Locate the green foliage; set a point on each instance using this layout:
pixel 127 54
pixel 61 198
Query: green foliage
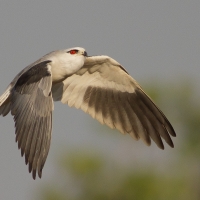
pixel 94 180
pixel 81 164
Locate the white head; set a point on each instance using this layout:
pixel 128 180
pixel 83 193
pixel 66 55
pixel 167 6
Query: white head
pixel 66 62
pixel 75 58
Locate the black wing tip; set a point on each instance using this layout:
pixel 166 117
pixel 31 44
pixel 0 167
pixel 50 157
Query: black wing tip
pixel 30 168
pixel 161 145
pixel 170 143
pixel 40 174
pixel 34 173
pixel 167 125
pixel 162 148
pixel 172 133
pixel 169 128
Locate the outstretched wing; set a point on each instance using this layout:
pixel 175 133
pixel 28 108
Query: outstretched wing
pixel 103 89
pixel 32 105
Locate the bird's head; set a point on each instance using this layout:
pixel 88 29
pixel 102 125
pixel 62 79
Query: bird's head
pixel 77 51
pixel 68 61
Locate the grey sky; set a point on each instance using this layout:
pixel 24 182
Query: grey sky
pixel 151 39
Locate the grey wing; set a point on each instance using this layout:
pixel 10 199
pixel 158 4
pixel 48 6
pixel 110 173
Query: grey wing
pixel 103 89
pixel 32 105
pixel 5 97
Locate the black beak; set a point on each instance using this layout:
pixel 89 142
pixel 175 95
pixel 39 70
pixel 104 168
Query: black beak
pixel 85 54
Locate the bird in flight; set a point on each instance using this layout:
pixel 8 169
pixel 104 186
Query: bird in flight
pixel 98 85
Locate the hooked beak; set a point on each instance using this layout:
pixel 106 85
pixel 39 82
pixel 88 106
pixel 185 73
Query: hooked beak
pixel 85 54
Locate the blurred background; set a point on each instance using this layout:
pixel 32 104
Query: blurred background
pixel 158 43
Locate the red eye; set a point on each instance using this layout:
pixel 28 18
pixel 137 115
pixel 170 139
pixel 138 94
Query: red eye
pixel 73 51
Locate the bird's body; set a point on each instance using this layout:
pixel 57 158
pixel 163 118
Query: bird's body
pixel 98 85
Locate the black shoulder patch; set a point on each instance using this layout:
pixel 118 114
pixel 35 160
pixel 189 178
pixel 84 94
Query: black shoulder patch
pixel 34 74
